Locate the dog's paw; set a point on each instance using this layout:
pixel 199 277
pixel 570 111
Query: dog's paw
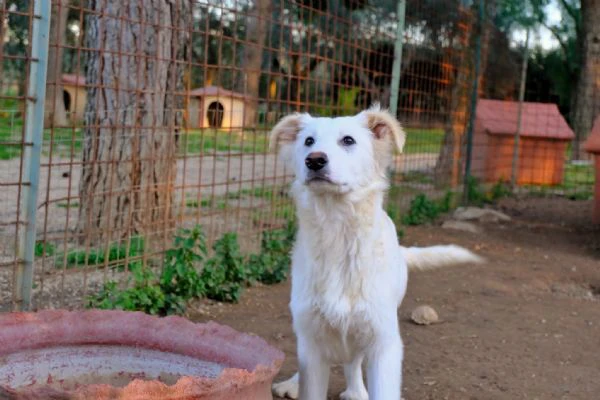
pixel 287 389
pixel 354 395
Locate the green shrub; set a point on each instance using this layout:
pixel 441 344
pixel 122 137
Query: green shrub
pixel 422 210
pixel 188 273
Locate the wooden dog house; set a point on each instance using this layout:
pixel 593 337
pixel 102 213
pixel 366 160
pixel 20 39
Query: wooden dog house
pixel 542 142
pixel 74 96
pixel 592 145
pixel 215 107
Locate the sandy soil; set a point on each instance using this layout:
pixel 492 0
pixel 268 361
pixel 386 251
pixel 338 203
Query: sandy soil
pixel 523 326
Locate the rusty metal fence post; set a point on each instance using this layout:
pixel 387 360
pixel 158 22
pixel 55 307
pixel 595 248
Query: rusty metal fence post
pixel 34 132
pixel 474 99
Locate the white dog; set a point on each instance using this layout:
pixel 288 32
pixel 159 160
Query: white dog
pixel 349 274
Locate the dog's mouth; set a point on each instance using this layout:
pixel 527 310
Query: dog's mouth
pixel 319 179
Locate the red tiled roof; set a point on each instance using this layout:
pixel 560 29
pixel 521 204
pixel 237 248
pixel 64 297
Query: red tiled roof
pixel 499 117
pixel 592 144
pixel 73 79
pixel 217 91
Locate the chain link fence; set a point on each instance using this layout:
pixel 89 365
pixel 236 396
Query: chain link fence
pixel 156 118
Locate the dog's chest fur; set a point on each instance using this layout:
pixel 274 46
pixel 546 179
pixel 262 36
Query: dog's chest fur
pixel 339 256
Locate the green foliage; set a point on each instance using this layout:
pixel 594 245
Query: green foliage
pixel 585 195
pixel 145 295
pixel 421 140
pixel 343 106
pixel 475 194
pixel 180 280
pixel 422 210
pixel 189 273
pixel 499 191
pixel 97 256
pixel 225 273
pixel 272 263
pixel 44 249
pixel 68 205
pixel 478 196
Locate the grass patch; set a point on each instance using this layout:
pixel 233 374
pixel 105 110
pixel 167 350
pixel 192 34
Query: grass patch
pixel 221 201
pixel 417 177
pixel 68 205
pixel 578 183
pixel 204 203
pixel 208 141
pixel 192 141
pixel 115 255
pixel 44 249
pixel 578 177
pixel 423 140
pixel 11 132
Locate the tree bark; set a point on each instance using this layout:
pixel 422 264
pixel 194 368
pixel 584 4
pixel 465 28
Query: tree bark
pixel 587 95
pixel 133 115
pixel 257 25
pixel 55 113
pixel 448 167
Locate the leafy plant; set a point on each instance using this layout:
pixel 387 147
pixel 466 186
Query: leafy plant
pixel 180 280
pixel 478 196
pixel 97 256
pixel 44 249
pixel 447 202
pixel 500 190
pixel 475 194
pixel 271 265
pixel 421 211
pixel 146 295
pixel 222 276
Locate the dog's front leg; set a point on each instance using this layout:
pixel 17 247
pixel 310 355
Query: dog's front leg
pixel 314 371
pixel 355 387
pixel 384 368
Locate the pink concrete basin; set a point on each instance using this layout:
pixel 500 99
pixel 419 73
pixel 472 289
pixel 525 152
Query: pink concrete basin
pixel 124 355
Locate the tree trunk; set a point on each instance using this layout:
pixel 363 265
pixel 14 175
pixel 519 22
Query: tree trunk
pixel 587 95
pixel 257 25
pixel 133 114
pixel 448 167
pixel 55 113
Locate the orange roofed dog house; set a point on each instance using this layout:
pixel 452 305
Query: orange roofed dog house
pixel 543 142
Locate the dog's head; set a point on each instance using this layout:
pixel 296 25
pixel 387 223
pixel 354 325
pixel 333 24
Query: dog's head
pixel 341 154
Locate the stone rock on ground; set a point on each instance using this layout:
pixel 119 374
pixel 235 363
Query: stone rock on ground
pixel 424 315
pixel 480 214
pixel 461 226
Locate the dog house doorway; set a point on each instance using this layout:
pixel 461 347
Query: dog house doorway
pixel 67 101
pixel 214 113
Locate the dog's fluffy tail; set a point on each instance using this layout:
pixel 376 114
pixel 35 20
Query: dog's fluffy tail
pixel 424 258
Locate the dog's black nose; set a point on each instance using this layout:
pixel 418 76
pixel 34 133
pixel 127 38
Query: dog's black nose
pixel 315 161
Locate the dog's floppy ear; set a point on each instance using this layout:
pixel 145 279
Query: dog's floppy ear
pixel 385 126
pixel 285 132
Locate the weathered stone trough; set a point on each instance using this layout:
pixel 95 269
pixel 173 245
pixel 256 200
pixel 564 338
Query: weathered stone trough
pixel 124 355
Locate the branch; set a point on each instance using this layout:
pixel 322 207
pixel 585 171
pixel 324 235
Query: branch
pixel 571 10
pixel 556 34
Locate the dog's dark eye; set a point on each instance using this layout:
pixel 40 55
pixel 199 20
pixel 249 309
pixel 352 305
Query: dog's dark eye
pixel 348 140
pixel 309 141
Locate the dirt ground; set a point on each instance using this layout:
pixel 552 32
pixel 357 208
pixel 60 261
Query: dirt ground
pixel 523 326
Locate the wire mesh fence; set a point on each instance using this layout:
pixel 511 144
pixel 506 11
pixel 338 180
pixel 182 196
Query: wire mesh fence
pixel 157 118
